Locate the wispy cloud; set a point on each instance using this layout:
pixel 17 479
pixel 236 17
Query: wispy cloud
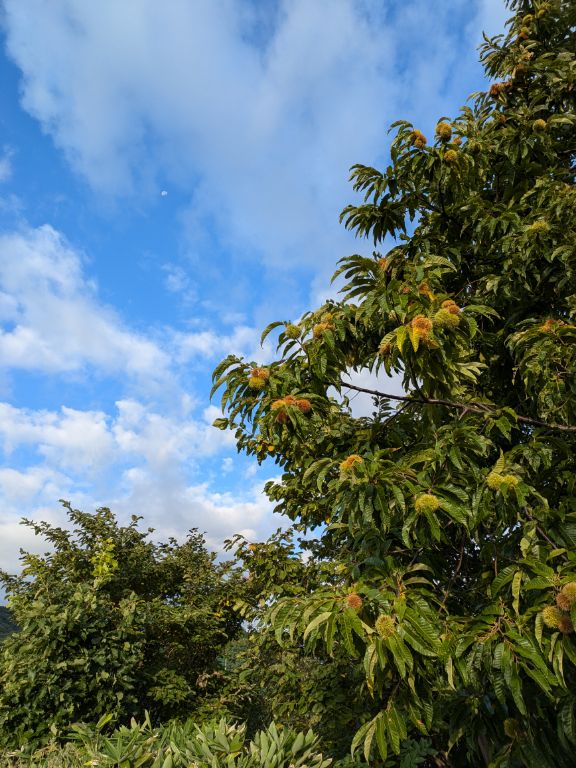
pixel 51 319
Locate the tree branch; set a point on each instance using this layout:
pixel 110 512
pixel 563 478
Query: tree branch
pixel 454 576
pixel 472 407
pixel 540 530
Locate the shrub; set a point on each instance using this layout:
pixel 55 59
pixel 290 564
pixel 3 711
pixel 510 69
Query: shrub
pixel 111 622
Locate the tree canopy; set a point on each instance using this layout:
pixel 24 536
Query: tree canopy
pixel 449 514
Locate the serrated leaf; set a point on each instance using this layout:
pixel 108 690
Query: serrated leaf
pixel 269 328
pixel 381 740
pixel 316 622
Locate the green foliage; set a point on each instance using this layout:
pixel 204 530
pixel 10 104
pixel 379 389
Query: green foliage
pixel 266 681
pixel 111 623
pixel 176 745
pixel 451 511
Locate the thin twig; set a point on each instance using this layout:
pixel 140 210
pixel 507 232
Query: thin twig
pixel 473 407
pixel 453 577
pixel 540 531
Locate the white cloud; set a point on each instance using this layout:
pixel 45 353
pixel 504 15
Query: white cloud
pixel 250 470
pixel 173 507
pixel 52 319
pixel 23 486
pixel 209 345
pixel 362 403
pixel 137 458
pixel 92 440
pixel 161 440
pixel 256 113
pixel 135 461
pixel 177 280
pixel 13 537
pixel 69 438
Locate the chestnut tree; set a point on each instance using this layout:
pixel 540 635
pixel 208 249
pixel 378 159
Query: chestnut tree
pixel 450 513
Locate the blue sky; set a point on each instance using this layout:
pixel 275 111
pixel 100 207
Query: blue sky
pixel 171 176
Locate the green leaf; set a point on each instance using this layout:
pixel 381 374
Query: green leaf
pixel 381 740
pixel 516 582
pixel 269 328
pixel 317 622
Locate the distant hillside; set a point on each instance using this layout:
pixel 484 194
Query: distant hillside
pixel 6 624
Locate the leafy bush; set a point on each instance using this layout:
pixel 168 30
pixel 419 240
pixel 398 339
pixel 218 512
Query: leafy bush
pixel 111 623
